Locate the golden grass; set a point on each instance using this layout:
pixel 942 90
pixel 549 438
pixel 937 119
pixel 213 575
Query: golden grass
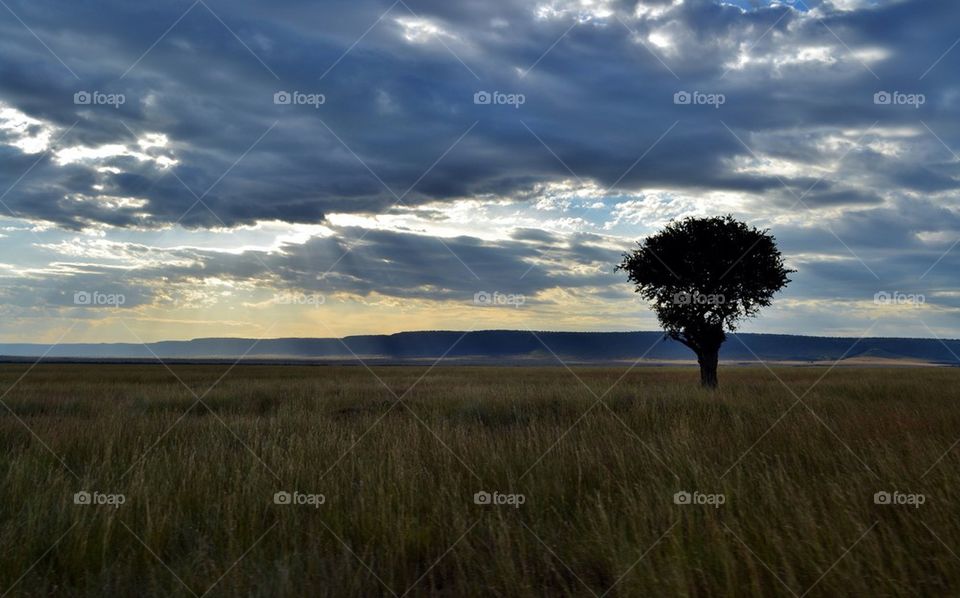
pixel 399 482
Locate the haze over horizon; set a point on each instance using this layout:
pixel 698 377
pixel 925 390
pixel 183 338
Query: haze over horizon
pixel 231 170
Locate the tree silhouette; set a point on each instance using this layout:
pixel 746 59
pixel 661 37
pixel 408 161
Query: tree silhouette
pixel 702 277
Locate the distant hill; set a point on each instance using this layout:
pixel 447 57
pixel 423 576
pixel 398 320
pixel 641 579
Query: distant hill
pixel 504 346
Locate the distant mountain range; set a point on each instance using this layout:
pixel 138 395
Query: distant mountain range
pixel 498 346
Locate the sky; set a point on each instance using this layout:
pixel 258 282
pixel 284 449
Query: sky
pixel 184 169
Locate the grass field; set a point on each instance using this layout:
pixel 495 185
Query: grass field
pixel 597 482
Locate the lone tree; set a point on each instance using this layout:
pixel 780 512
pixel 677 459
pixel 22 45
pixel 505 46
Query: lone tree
pixel 702 276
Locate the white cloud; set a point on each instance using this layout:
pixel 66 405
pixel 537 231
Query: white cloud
pixel 27 134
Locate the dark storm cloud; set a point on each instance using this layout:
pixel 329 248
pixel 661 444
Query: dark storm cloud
pixel 598 98
pixel 410 265
pixel 874 186
pixel 356 261
pixel 536 235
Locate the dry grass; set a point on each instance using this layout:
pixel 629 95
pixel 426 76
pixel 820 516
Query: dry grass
pixel 399 482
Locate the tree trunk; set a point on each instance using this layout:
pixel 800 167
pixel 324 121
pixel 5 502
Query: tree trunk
pixel 708 367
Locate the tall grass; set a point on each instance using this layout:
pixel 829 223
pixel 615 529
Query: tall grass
pixel 598 479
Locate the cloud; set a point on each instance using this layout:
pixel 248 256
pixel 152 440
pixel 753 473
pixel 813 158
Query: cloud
pixel 600 145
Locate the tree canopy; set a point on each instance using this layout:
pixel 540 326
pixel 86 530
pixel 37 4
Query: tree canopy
pixel 703 276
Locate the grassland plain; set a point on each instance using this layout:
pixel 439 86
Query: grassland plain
pixel 598 477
